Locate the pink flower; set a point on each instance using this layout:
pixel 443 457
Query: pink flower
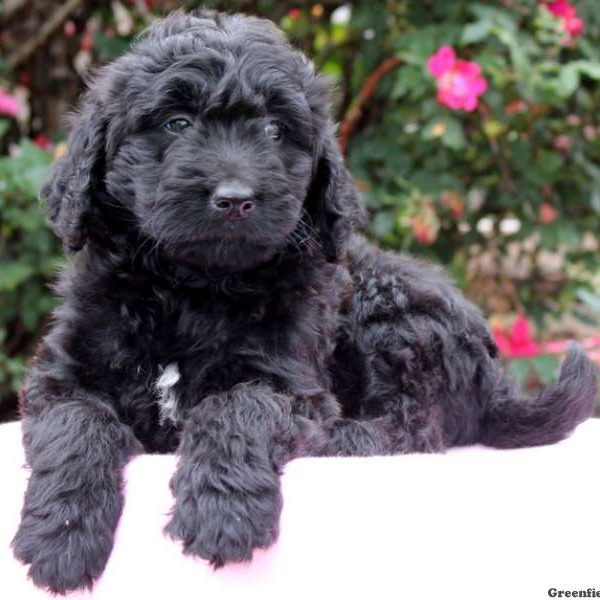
pixel 9 105
pixel 547 213
pixel 516 343
pixel 574 26
pixel 442 61
pixel 563 143
pixel 561 8
pixel 459 82
pixel 567 13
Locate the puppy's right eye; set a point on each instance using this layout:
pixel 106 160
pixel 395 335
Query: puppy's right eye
pixel 177 125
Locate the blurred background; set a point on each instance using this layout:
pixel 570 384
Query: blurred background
pixel 472 129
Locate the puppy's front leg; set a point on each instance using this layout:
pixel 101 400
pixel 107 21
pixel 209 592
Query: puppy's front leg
pixel 227 491
pixel 76 450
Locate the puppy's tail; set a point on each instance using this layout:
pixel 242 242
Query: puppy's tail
pixel 512 422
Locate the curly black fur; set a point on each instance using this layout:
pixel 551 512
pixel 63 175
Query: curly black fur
pixel 239 340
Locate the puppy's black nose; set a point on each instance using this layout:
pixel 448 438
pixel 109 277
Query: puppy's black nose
pixel 233 200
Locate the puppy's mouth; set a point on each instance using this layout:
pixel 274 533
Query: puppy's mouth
pixel 227 252
pixel 229 232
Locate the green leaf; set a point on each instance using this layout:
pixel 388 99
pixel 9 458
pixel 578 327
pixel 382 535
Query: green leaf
pixel 504 19
pixel 546 367
pixel 448 130
pixel 410 81
pixel 454 136
pixel 549 164
pixel 383 223
pixel 519 369
pixel 568 81
pixel 560 232
pixel 13 274
pixel 589 298
pixel 111 47
pixel 589 68
pixel 475 32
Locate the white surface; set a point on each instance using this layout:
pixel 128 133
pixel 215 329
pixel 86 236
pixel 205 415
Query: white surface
pixel 474 523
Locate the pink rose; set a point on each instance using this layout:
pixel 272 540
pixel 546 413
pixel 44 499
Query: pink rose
pixel 442 61
pixel 517 342
pixel 459 82
pixel 547 213
pixel 9 105
pixel 561 8
pixel 574 26
pixel 563 143
pixel 567 13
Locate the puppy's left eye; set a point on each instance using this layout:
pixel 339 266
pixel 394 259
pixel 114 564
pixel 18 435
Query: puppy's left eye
pixel 177 125
pixel 274 129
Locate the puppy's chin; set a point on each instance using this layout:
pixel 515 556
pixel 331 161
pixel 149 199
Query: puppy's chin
pixel 219 255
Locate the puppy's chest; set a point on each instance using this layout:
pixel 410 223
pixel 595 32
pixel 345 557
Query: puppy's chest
pixel 185 350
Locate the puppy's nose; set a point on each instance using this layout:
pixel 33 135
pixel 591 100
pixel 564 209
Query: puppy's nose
pixel 233 200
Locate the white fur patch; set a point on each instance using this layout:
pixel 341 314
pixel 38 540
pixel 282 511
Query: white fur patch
pixel 167 398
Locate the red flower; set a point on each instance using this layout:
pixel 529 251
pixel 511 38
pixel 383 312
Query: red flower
pixel 567 13
pixel 42 141
pixel 515 107
pixel 87 42
pixel 425 225
pixel 453 202
pixel 460 82
pixel 517 342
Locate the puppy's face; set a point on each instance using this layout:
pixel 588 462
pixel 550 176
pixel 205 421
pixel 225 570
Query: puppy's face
pixel 217 169
pixel 216 142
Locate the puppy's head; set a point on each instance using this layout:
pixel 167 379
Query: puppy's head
pixel 212 139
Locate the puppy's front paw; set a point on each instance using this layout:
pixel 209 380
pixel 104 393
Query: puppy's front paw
pixel 224 527
pixel 64 554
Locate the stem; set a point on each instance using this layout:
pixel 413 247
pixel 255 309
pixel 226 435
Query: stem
pixel 354 113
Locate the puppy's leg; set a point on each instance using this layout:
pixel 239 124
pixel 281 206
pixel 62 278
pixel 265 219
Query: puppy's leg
pixel 405 402
pixel 379 436
pixel 351 437
pixel 73 500
pixel 405 406
pixel 227 491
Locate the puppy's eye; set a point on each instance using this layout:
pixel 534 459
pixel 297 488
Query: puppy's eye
pixel 177 125
pixel 274 129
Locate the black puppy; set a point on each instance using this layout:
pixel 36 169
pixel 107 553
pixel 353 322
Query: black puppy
pixel 219 305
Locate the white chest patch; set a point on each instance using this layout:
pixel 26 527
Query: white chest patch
pixel 167 398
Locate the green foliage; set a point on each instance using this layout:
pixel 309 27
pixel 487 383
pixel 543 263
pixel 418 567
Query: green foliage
pixel 545 367
pixel 28 258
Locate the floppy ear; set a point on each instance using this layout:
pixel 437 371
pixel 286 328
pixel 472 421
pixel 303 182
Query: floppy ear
pixel 333 201
pixel 68 193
